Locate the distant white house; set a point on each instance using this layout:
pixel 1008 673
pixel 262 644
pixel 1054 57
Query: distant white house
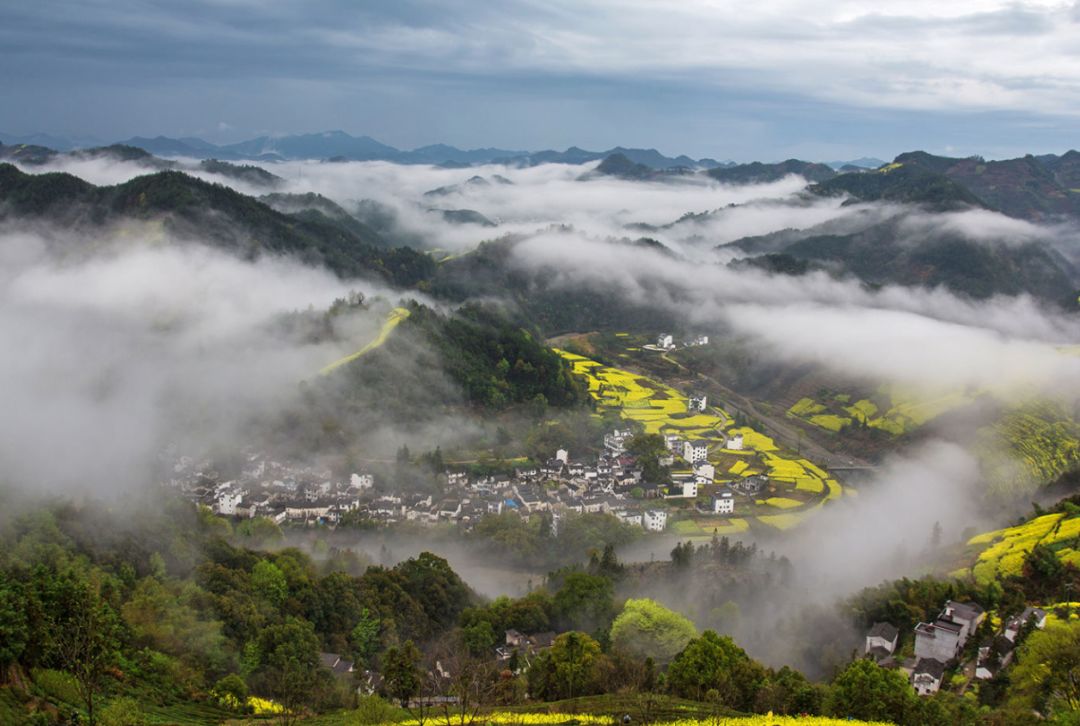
pixel 699 340
pixel 698 402
pixel 881 641
pixel 563 455
pixel 695 451
pixel 228 501
pixel 704 473
pixel 672 442
pixel 362 481
pixel 724 503
pixel 655 520
pixel 684 486
pixel 665 341
pixel 1012 627
pixel 735 443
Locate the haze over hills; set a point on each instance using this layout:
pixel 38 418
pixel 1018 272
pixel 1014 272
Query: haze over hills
pixel 857 342
pixel 339 145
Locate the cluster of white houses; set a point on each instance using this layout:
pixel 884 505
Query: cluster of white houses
pixel 610 483
pixel 666 341
pixel 941 643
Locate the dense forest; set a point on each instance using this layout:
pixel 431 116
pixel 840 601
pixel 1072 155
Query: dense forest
pixel 152 610
pixel 217 215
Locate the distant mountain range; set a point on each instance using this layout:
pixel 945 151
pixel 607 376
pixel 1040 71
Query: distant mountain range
pixel 340 146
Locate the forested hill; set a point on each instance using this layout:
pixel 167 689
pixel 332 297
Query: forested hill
pixel 1029 187
pixel 214 214
pixel 473 358
pixel 881 252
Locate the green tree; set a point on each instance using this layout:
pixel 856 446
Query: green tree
pixel 714 662
pixel 269 582
pixel 288 665
pixel 584 602
pixel 869 692
pixel 86 634
pixel 647 628
pixel 365 637
pixel 14 628
pixel 1047 673
pixel 231 691
pixel 401 672
pixel 574 659
pixel 124 711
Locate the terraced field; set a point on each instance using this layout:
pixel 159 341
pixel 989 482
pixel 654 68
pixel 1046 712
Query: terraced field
pixel 1026 448
pixel 892 410
pixel 1001 553
pixel 797 486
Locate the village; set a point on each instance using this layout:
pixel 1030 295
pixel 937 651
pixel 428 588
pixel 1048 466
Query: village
pixel 611 482
pixel 943 645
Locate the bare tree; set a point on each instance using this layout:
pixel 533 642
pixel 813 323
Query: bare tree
pixel 85 640
pixel 465 684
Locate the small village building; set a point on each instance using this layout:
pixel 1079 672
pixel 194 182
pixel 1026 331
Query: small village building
pixel 655 520
pixel 1015 624
pixel 993 656
pixel 881 641
pixel 724 503
pixel 695 451
pixel 735 443
pixel 366 481
pixel 698 402
pixel 665 341
pixel 927 676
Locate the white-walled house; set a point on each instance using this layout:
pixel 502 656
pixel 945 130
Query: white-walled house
pixel 698 402
pixel 1015 623
pixel 672 442
pixel 695 451
pixel 724 503
pixel 735 443
pixel 704 473
pixel 362 481
pixel 927 676
pixel 228 501
pixel 665 341
pixel 881 641
pixel 655 520
pixel 563 455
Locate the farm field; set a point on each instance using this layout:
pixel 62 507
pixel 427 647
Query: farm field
pixel 795 488
pixel 890 409
pixel 1028 447
pixel 1001 552
pixel 392 321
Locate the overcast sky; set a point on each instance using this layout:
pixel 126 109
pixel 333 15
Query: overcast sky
pixel 766 79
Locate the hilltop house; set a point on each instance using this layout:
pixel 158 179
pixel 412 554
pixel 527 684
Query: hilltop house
pixel 665 341
pixel 993 656
pixel 881 641
pixel 735 443
pixel 1014 624
pixel 336 664
pixel 698 402
pixel 945 637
